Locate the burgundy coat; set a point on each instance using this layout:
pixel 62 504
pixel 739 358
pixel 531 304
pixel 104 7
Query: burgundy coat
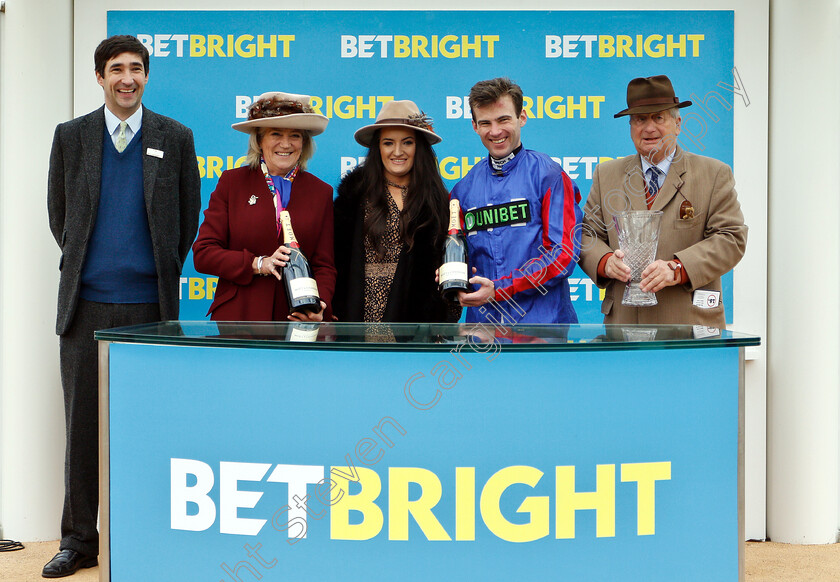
pixel 235 231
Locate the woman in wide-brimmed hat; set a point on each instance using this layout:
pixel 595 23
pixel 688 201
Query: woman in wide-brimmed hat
pixel 391 215
pixel 240 240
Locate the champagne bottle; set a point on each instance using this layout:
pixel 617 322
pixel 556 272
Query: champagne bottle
pixel 453 275
pixel 301 288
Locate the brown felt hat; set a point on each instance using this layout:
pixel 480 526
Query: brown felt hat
pixel 399 114
pixel 650 94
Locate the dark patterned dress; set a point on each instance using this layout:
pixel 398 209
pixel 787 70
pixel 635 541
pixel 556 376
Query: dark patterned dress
pixel 379 272
pixel 398 288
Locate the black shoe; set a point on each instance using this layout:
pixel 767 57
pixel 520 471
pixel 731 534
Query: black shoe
pixel 67 562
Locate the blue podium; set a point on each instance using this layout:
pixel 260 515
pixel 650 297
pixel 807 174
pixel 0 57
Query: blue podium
pixel 279 451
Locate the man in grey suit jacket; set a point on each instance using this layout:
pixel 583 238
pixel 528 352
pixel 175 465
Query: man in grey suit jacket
pixel 702 235
pixel 124 197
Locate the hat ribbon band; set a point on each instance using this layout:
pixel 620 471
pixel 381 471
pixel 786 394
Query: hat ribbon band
pixel 418 123
pixel 402 120
pixel 654 101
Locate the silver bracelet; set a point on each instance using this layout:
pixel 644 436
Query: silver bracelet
pixel 259 264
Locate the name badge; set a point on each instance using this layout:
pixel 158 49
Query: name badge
pixel 516 212
pixel 154 153
pixel 706 299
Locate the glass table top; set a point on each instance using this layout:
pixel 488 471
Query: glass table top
pixel 426 337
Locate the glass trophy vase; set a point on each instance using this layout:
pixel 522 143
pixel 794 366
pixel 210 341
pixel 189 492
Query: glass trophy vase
pixel 638 237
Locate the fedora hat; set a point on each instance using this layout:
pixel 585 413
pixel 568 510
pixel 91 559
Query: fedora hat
pixel 399 114
pixel 650 94
pixel 283 110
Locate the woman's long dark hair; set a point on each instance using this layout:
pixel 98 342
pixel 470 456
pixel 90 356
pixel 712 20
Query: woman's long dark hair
pixel 426 199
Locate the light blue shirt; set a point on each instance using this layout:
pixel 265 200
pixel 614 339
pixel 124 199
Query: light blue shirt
pixel 662 166
pixel 112 122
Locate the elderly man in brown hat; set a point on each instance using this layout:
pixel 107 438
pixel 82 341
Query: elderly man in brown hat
pixel 702 236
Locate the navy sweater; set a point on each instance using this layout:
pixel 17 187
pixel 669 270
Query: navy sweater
pixel 120 263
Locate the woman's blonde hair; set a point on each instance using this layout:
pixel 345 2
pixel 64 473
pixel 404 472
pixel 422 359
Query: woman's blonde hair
pixel 252 158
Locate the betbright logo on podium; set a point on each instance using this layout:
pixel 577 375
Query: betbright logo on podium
pixel 349 492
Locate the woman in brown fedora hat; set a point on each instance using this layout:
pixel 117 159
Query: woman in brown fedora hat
pixel 240 239
pixel 390 222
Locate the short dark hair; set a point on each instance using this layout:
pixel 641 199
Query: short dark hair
pixel 117 45
pixel 488 92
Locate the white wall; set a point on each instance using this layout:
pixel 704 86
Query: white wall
pixel 804 203
pixel 20 504
pixel 35 80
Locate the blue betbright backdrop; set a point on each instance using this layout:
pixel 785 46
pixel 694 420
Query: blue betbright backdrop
pixel 572 66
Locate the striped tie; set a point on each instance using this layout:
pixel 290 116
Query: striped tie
pixel 653 182
pixel 121 143
pixel 653 185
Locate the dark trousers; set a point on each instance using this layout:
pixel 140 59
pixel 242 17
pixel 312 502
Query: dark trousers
pixel 80 380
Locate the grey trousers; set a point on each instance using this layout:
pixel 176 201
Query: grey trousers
pixel 80 380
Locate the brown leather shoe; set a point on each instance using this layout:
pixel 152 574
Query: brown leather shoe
pixel 67 562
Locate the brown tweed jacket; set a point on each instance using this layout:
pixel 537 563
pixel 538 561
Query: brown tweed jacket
pixel 708 245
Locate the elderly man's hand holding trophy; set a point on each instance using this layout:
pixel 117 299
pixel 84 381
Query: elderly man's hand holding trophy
pixel 638 237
